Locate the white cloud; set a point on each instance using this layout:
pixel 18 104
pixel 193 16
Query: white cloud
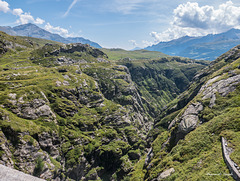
pixel 207 17
pixel 25 18
pixel 57 30
pixel 70 7
pixel 39 21
pixel 17 12
pixel 133 42
pixel 194 20
pixel 4 6
pixel 147 43
pixel 126 6
pixel 175 32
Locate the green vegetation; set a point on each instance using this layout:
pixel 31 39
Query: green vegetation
pixel 88 114
pixel 161 80
pixel 120 54
pixel 199 155
pixel 39 166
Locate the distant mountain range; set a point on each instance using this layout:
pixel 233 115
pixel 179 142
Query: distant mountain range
pixel 33 30
pixel 205 47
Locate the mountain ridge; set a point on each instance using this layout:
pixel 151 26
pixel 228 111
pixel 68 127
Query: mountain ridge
pixel 207 47
pixel 33 30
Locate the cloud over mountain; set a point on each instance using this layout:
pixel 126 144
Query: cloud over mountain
pixel 194 20
pixel 26 17
pixel 57 30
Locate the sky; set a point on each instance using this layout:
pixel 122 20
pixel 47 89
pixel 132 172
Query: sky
pixel 124 23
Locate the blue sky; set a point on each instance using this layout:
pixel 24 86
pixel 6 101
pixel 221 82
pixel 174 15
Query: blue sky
pixel 124 23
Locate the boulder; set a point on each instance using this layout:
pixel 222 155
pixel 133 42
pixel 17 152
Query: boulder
pixel 189 119
pixel 166 174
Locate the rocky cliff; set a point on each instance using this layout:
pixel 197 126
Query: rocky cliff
pixel 67 112
pixel 187 135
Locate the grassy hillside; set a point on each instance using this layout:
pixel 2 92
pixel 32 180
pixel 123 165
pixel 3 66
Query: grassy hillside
pixel 69 112
pixel 60 118
pixel 39 41
pixel 117 54
pixel 187 134
pixel 160 80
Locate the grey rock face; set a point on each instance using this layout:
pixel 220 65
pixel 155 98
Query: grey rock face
pixel 9 174
pixel 187 122
pixel 149 157
pixel 33 110
pixel 50 143
pixel 28 152
pixel 68 61
pixel 6 157
pixel 6 45
pixel 102 60
pixel 223 87
pixel 190 118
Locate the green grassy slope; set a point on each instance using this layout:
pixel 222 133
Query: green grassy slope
pixel 197 155
pixel 117 54
pixel 160 80
pixel 88 123
pixel 69 112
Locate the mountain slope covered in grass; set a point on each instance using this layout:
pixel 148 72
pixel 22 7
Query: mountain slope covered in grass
pixel 186 138
pixel 68 112
pixel 163 79
pixel 119 54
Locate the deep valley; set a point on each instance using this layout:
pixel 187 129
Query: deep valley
pixel 75 112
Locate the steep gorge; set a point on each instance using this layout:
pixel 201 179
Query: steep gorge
pixel 69 113
pixel 187 135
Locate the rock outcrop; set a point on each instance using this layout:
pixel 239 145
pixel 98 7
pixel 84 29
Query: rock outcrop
pixel 69 113
pixel 34 109
pixel 78 47
pixel 234 169
pixel 223 87
pixel 165 174
pixel 187 122
pixel 8 174
pixel 196 121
